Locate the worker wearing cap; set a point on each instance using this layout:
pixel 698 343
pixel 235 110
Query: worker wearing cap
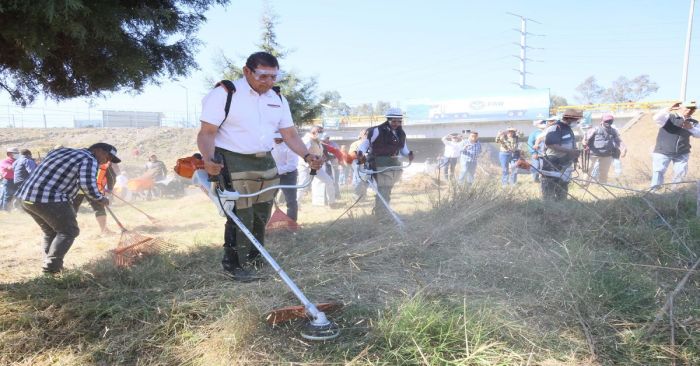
pixel 673 141
pixel 243 138
pixel 509 152
pixel 381 149
pixel 559 157
pixel 50 188
pixel 106 178
pixel 23 166
pixel 8 178
pixel 604 144
pixel 540 124
pixel 313 141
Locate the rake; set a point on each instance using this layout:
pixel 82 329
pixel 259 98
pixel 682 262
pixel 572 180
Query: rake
pixel 152 219
pixel 134 246
pixel 280 221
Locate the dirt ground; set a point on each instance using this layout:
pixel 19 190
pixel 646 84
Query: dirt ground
pixel 191 219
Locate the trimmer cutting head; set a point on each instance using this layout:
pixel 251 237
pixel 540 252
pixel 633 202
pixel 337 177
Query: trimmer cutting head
pixel 314 331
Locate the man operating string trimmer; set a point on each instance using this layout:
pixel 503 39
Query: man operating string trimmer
pixel 238 123
pixel 381 149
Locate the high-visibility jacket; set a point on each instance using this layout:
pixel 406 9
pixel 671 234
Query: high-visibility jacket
pixel 103 177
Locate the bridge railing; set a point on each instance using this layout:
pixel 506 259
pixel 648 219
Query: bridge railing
pixel 351 121
pixel 616 107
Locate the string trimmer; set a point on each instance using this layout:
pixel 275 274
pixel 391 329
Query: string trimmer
pixel 319 328
pixel 372 183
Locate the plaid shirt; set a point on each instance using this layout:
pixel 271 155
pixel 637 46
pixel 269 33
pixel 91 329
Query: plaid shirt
pixel 472 150
pixel 60 175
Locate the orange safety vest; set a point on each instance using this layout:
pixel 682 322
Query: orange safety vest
pixel 102 177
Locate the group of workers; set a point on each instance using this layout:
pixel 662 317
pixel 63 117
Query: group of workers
pixel 248 136
pixel 14 170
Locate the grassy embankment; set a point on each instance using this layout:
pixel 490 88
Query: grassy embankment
pixel 486 276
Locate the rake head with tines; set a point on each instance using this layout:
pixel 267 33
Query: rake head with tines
pixel 134 246
pixel 280 221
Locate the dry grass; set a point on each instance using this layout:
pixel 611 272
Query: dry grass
pixel 480 277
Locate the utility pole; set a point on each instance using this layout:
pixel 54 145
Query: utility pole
pixel 523 49
pixel 684 77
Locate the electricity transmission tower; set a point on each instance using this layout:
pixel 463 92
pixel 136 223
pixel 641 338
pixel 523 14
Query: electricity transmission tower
pixel 523 49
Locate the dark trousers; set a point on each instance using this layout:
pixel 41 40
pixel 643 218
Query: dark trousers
pixel 254 218
pixel 290 194
pixel 96 206
pixel 247 173
pixel 450 166
pixel 57 221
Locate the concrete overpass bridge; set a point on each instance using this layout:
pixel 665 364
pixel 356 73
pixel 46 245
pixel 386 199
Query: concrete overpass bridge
pixel 487 129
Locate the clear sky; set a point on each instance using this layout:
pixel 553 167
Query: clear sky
pixel 396 50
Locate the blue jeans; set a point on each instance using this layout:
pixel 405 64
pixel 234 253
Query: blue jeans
pixel 660 163
pixel 468 170
pixel 7 194
pixel 507 176
pixel 534 170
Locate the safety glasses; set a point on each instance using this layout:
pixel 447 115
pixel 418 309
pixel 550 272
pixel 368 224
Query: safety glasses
pixel 267 75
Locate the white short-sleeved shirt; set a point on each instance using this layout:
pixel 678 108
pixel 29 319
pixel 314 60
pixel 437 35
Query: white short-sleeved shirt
pixel 453 148
pixel 285 158
pixel 252 119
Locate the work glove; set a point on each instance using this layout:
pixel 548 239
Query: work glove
pixel 361 158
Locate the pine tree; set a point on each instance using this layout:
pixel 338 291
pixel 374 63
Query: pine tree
pixel 79 48
pixel 299 92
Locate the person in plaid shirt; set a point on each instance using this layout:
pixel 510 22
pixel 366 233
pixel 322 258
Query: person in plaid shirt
pixel 469 158
pixel 47 194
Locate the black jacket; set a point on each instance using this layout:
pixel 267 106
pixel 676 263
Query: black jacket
pixel 673 139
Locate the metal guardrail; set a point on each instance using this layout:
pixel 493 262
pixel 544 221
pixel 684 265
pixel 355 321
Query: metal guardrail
pixel 349 121
pixel 616 107
pixel 371 120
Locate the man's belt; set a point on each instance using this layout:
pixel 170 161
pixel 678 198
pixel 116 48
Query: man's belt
pixel 253 155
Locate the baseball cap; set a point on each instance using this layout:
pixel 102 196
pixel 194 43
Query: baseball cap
pixel 539 122
pixel 690 104
pixel 276 135
pixel 607 117
pixel 551 118
pixel 13 150
pixel 108 148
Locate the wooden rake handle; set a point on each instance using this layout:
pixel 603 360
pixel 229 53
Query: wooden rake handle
pixel 115 218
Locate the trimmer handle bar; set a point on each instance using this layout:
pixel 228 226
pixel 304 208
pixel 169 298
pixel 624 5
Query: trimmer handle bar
pixel 385 169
